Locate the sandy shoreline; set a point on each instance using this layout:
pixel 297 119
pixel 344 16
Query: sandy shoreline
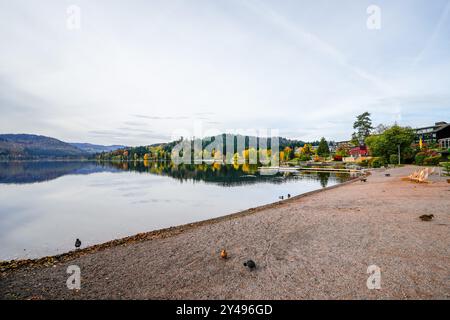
pixel 312 246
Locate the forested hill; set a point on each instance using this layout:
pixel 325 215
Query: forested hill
pixel 163 150
pixel 30 146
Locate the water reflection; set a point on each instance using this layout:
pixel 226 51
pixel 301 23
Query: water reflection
pixel 225 175
pixel 38 171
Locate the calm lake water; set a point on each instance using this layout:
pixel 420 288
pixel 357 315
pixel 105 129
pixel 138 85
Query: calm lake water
pixel 45 206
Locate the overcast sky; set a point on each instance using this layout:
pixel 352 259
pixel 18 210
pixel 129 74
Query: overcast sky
pixel 136 71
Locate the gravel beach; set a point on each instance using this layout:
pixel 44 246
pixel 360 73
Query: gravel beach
pixel 314 247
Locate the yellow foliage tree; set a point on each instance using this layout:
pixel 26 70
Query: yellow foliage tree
pixel 287 153
pixel 307 149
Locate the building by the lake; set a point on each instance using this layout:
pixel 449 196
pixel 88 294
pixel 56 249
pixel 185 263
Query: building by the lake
pixel 438 133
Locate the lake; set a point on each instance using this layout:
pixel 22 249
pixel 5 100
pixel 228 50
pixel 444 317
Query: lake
pixel 45 206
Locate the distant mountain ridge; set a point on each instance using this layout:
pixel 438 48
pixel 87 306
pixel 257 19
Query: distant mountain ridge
pixel 31 146
pixel 95 148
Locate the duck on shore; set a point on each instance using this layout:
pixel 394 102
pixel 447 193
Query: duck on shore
pixel 224 254
pixel 77 243
pixel 426 217
pixel 250 264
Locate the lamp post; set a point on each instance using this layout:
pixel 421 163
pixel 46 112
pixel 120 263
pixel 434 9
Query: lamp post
pixel 398 154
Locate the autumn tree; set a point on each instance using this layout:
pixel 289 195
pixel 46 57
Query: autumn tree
pixel 307 150
pixel 288 153
pixel 343 150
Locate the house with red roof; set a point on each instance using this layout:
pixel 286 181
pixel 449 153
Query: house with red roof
pixel 361 151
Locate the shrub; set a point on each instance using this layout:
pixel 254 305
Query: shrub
pixel 432 161
pixel 337 157
pixel 363 163
pixel 446 166
pixel 304 157
pixel 420 157
pixel 393 159
pixel 376 162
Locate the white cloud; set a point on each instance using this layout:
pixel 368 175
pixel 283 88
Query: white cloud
pixel 136 71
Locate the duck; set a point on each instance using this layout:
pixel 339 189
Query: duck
pixel 289 195
pixel 224 254
pixel 387 174
pixel 426 217
pixel 77 243
pixel 281 197
pixel 250 264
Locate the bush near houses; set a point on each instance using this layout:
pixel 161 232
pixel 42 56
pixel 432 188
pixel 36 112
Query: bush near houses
pixel 304 157
pixel 427 157
pixel 363 162
pixel 446 166
pixel 393 159
pixel 376 162
pixel 432 161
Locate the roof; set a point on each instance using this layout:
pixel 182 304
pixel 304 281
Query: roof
pixel 443 127
pixel 438 126
pixel 360 150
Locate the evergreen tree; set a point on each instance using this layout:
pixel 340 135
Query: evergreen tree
pixel 363 125
pixel 323 149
